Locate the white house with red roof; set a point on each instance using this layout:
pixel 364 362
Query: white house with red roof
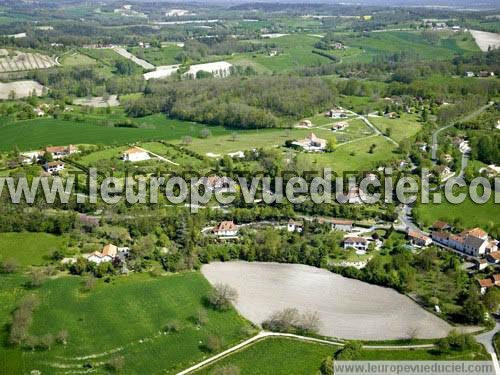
pixel 135 154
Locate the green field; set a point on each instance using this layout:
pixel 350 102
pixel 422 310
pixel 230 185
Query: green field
pixel 446 46
pixel 354 156
pixel 32 134
pixel 275 356
pixel 296 52
pixel 158 56
pixel 247 140
pixel 126 317
pixel 405 127
pixel 29 249
pixel 468 213
pixel 77 59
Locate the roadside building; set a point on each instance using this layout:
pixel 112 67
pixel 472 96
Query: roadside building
pixel 295 226
pixel 53 167
pixel 342 225
pixel 312 143
pixel 419 239
pixel 59 152
pixel 226 229
pixel 358 243
pixel 135 154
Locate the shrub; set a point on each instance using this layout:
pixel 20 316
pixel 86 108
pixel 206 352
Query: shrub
pixel 351 350
pixel 9 266
pixel 173 326
pixel 116 363
pixel 213 344
pixel 290 320
pixel 222 296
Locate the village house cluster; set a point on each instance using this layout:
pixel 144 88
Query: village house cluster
pixel 57 153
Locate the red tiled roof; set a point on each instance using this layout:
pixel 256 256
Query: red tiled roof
pixel 355 239
pixel 342 222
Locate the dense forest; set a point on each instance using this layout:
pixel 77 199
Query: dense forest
pixel 258 103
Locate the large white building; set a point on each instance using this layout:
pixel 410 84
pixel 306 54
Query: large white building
pixel 135 154
pixel 312 143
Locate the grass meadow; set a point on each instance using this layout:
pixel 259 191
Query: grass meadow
pixel 29 249
pixel 405 127
pixel 468 214
pixel 126 317
pixel 276 356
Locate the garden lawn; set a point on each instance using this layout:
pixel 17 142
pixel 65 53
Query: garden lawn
pixel 127 316
pixel 29 249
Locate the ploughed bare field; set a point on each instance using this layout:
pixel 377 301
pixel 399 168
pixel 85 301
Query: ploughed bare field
pixel 20 89
pixel 348 308
pixel 98 101
pixel 486 40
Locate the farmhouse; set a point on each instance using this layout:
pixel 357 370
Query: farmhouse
pixel 312 143
pixel 339 126
pixel 419 239
pixel 336 113
pixel 441 225
pixel 295 226
pixel 226 229
pixel 59 152
pixel 108 254
pixel 219 69
pixel 342 225
pixel 53 167
pixel 358 243
pixel 135 154
pixel 494 257
pixel 469 74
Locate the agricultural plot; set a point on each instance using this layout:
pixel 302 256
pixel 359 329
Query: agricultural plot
pixel 29 249
pixel 32 134
pixel 98 101
pixel 25 61
pixel 486 40
pixel 142 63
pixel 296 52
pixel 414 43
pixel 77 59
pixel 121 318
pixel 20 89
pixel 158 56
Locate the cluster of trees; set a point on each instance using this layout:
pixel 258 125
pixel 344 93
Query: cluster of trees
pixel 406 272
pixel 290 320
pixel 198 49
pixel 257 103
